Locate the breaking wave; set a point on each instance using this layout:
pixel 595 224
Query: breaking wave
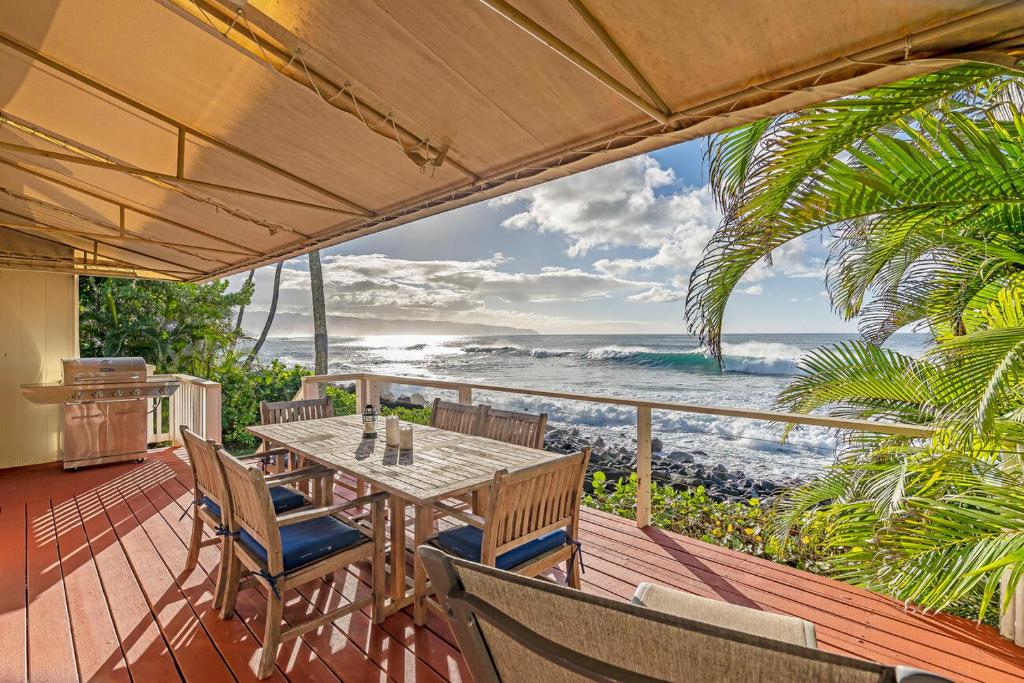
pixel 760 358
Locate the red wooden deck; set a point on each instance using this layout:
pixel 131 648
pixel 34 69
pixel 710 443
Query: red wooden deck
pixel 91 589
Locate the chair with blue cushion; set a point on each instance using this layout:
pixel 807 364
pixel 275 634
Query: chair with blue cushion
pixel 209 496
pixel 531 523
pixel 282 551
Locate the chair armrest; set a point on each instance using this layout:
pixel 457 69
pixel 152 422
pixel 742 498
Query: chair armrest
pixel 311 472
pixel 268 453
pixel 364 500
pixel 306 514
pixel 461 515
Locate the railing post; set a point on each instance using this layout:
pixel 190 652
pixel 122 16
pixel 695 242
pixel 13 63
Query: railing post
pixel 172 414
pixel 367 392
pixel 1011 622
pixel 465 395
pixel 310 388
pixel 211 416
pixel 643 466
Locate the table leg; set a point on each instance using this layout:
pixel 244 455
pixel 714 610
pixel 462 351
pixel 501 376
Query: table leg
pixel 397 548
pixel 424 529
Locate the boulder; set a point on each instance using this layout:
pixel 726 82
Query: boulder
pixel 681 456
pixel 418 400
pixel 387 397
pixel 657 445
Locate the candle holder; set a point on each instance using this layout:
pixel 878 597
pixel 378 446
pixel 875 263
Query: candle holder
pixel 369 422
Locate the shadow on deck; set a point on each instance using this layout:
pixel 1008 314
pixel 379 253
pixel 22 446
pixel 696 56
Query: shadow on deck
pixel 91 588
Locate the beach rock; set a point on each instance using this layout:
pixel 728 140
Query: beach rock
pixel 657 445
pixel 418 400
pixel 681 456
pixel 387 397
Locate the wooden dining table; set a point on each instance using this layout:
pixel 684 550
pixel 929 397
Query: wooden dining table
pixel 440 465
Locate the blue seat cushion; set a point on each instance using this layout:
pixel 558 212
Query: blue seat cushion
pixel 465 542
pixel 284 498
pixel 307 542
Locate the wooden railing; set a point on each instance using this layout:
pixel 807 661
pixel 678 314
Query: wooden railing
pixel 368 392
pixel 196 404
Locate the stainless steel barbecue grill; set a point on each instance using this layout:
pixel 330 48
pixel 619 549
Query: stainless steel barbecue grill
pixel 104 402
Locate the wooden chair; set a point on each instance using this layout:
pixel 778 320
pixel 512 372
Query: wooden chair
pixel 532 520
pixel 278 412
pixel 287 550
pixel 211 497
pixel 523 429
pixel 455 417
pixel 512 628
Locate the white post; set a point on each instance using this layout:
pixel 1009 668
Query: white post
pixel 643 466
pixel 212 412
pixel 367 392
pixel 1011 622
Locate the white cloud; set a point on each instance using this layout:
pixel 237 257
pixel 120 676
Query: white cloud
pixel 619 205
pixel 378 286
pixel 752 290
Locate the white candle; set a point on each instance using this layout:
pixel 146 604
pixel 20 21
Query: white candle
pixel 405 437
pixel 391 425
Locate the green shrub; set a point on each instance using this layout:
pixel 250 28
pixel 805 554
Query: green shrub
pixel 743 526
pixel 242 390
pixel 345 404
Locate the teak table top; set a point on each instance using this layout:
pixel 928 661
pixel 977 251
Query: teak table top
pixel 441 464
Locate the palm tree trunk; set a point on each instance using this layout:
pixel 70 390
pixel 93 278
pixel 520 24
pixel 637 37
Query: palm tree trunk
pixel 270 316
pixel 316 281
pixel 241 309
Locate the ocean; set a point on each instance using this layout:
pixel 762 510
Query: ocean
pixel 659 367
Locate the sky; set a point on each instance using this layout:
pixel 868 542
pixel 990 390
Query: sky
pixel 606 251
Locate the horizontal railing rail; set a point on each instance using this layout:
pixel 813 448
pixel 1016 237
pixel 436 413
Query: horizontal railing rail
pixel 368 392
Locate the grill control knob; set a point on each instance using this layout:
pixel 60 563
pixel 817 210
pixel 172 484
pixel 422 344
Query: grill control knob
pixel 78 395
pixel 117 393
pixel 97 394
pixel 136 392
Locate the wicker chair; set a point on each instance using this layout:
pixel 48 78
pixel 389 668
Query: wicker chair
pixel 284 551
pixel 532 520
pixel 513 628
pixel 210 498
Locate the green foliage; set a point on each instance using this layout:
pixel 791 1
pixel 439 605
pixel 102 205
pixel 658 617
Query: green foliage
pixel 178 327
pixel 742 526
pixel 345 404
pixel 919 184
pixel 188 329
pixel 242 390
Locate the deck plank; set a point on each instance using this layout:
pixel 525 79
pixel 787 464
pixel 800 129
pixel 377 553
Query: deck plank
pixel 13 599
pixel 100 657
pixel 92 588
pixel 146 652
pixel 51 650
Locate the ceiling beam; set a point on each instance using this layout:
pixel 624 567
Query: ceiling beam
pixel 123 236
pixel 506 10
pixel 616 52
pixel 76 268
pixel 99 239
pixel 163 177
pixel 124 207
pixel 273 50
pixel 39 57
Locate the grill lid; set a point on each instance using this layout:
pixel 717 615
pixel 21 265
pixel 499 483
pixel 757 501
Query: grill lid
pixel 103 370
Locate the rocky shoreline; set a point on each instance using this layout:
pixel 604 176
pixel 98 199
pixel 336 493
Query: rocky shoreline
pixel 680 469
pixel 617 459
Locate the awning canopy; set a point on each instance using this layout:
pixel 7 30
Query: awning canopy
pixel 191 139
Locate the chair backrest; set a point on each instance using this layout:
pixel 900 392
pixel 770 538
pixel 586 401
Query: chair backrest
pixel 533 501
pixel 206 470
pixel 522 429
pixel 276 412
pixel 251 507
pixel 455 417
pixel 513 628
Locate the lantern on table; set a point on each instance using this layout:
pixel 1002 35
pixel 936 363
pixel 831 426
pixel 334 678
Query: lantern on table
pixel 369 421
